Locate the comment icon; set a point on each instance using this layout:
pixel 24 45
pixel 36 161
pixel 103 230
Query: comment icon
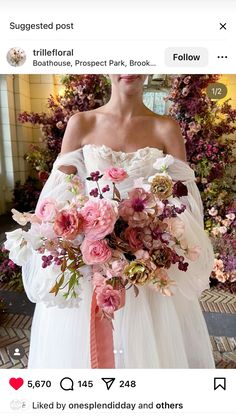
pixel 67 384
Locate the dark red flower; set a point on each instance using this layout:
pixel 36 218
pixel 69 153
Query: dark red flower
pixel 43 176
pixel 179 189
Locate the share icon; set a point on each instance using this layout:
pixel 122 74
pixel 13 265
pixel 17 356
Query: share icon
pixel 108 382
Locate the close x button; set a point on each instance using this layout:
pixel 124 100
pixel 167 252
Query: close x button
pixel 186 57
pixel 223 26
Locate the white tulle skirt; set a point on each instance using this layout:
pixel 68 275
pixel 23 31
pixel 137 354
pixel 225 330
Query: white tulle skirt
pixel 151 331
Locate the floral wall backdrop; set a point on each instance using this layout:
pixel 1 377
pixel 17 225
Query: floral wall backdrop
pixel 208 127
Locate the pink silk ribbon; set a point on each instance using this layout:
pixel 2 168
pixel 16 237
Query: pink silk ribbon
pixel 101 336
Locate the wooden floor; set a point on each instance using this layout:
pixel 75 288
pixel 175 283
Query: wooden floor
pixel 14 328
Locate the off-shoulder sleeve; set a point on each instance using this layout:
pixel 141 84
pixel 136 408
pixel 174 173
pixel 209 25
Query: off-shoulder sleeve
pixel 56 185
pixel 38 281
pixel 196 279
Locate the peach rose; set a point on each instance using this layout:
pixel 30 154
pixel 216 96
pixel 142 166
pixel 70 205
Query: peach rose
pixel 99 218
pixel 94 252
pixel 132 236
pixel 68 224
pixel 46 210
pixel 175 227
pixel 193 253
pixel 115 174
pixel 162 283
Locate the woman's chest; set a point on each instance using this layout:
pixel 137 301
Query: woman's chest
pixel 126 137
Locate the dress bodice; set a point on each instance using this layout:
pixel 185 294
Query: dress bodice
pixel 137 164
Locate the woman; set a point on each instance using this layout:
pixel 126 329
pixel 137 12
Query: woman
pixel 151 331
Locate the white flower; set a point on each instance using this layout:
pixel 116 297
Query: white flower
pixel 14 238
pixel 19 217
pixel 21 255
pixel 161 164
pixel 138 183
pixel 34 238
pixel 213 211
pixel 38 233
pixel 19 249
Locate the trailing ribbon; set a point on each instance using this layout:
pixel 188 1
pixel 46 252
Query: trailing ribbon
pixel 101 335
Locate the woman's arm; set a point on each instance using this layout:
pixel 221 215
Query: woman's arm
pixel 72 138
pixel 170 135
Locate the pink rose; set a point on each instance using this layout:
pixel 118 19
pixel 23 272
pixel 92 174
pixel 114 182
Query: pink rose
pixel 108 299
pixel 115 174
pixel 95 252
pixel 68 224
pixel 46 210
pixel 99 218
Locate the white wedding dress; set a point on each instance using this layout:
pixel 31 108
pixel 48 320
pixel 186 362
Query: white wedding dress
pixel 150 331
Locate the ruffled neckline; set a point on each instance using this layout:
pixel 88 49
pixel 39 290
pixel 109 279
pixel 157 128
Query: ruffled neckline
pixel 130 160
pixel 107 149
pixel 110 150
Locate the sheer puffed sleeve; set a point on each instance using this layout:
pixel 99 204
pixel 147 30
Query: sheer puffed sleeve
pixel 38 281
pixel 196 279
pixel 180 170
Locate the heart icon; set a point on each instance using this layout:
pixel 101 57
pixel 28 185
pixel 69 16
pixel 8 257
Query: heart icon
pixel 16 383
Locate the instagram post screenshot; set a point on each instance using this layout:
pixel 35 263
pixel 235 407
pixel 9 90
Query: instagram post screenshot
pixel 117 209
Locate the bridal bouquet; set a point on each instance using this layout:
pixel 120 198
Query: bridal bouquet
pixel 128 242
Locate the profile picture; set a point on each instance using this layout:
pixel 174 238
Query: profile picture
pixel 16 56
